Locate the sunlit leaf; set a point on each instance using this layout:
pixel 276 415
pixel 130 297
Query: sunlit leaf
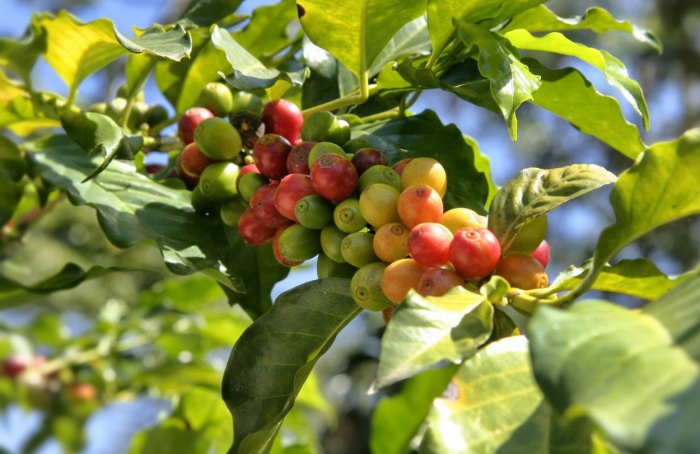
pixel 411 40
pixel 511 82
pixel 267 32
pixel 611 67
pixel 568 94
pixel 174 44
pixel 534 192
pixel 21 55
pixel 271 360
pixel 425 331
pixel 542 19
pixel 356 32
pixel 203 13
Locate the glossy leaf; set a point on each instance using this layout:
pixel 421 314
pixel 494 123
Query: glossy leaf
pixel 203 13
pixel 441 14
pixel 425 331
pixel 76 49
pixel 21 55
pixel 661 187
pixel 132 208
pixel 533 192
pixel 568 94
pixel 542 19
pixel 274 356
pixel 631 374
pixel 174 44
pixel 612 68
pixel 493 405
pixel 412 40
pixel 266 34
pixel 391 434
pixel 356 32
pixel 248 73
pixel 511 82
pixel 425 135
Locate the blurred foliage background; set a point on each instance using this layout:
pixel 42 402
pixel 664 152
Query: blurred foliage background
pixel 175 333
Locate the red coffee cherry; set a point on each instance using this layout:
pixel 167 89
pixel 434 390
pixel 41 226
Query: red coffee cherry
pixel 291 189
pixel 541 254
pixel 263 207
pixel 522 271
pixel 334 177
pixel 270 154
pixel 400 277
pixel 252 231
pixel 283 117
pixel 474 252
pixel 438 281
pixel 189 121
pixel 365 158
pixel 429 244
pixel 191 163
pixel 298 158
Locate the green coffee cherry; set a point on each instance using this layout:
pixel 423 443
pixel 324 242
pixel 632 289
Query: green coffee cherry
pixel 204 204
pixel 245 101
pixel 216 97
pixel 344 132
pixel 347 216
pixel 321 126
pixel 232 210
pixel 331 239
pixel 358 249
pixel 218 139
pixel 156 114
pixel 218 181
pixel 327 267
pixel 322 148
pixel 366 287
pixel 297 243
pixel 357 143
pixel 314 212
pixel 379 174
pixel 251 182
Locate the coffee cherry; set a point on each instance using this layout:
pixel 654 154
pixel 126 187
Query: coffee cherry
pixel 418 204
pixel 399 166
pixel 334 177
pixel 203 203
pixel 249 183
pixel 379 174
pixel 263 207
pixel 232 210
pixel 365 287
pixel 400 277
pixel 248 168
pixel 270 153
pixel 278 254
pixel 322 126
pixel 322 148
pixel 218 139
pixel 522 271
pixel 81 393
pixel 344 134
pixel 331 240
pixel 438 281
pixel 357 249
pixel 353 145
pixel 529 237
pixel 14 365
pixel 218 181
pixel 379 205
pixel 283 117
pixel 314 212
pixel 298 158
pixel 297 243
pixel 252 231
pixel 391 242
pixel 155 114
pixel 347 216
pixel 216 97
pixel 327 267
pixel 365 158
pixel 290 190
pixel 458 218
pixel 190 164
pixel 541 254
pixel 429 244
pixel 244 101
pixel 425 171
pixel 189 121
pixel 474 252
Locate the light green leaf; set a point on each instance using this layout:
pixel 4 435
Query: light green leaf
pixel 266 33
pixel 662 186
pixel 511 82
pixel 426 331
pixel 493 405
pixel 356 32
pixel 203 13
pixel 76 49
pixel 248 73
pixel 21 55
pixel 612 68
pixel 633 374
pixel 274 356
pixel 174 44
pixel 534 192
pixel 412 40
pixel 392 435
pixel 569 95
pixel 23 112
pixel 542 19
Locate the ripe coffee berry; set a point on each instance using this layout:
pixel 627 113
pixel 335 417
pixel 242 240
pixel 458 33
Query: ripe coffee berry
pixel 541 254
pixel 366 287
pixel 298 158
pixel 474 252
pixel 191 163
pixel 189 121
pixel 291 189
pixel 252 231
pixel 365 158
pixel 438 281
pixel 334 177
pixel 263 207
pixel 429 244
pixel 391 242
pixel 400 277
pixel 283 117
pixel 270 154
pixel 522 271
pixel 418 204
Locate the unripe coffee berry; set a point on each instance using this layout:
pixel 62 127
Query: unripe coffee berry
pixel 391 242
pixel 378 205
pixel 218 139
pixel 418 204
pixel 347 216
pixel 400 277
pixel 522 271
pixel 314 212
pixel 365 287
pixel 357 249
pixel 425 171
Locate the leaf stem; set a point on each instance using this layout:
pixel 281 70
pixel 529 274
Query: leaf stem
pixel 348 100
pixel 391 113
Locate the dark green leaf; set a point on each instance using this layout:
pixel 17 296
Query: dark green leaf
pixel 426 331
pixel 266 33
pixel 511 82
pixel 534 192
pixel 174 44
pixel 273 358
pixel 203 13
pixel 425 135
pixel 542 19
pixel 248 73
pixel 21 55
pixel 12 170
pixel 571 96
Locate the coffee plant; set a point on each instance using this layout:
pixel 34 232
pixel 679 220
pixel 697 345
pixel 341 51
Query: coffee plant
pixel 291 142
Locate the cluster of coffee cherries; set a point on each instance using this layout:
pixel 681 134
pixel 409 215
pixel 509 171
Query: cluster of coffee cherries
pixel 303 185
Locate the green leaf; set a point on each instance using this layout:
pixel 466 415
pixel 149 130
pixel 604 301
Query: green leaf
pixel 356 32
pixel 76 49
pixel 640 278
pixel 174 44
pixel 391 434
pixel 534 192
pixel 266 33
pixel 612 68
pixel 203 13
pixel 662 186
pixel 272 359
pixel 21 55
pixel 568 94
pixel 425 135
pixel 542 19
pixel 488 13
pixel 493 405
pixel 248 72
pixel 132 208
pixel 426 331
pixel 412 40
pixel 23 112
pixel 632 374
pixel 511 82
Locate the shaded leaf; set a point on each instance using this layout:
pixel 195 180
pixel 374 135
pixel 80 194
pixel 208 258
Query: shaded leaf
pixel 534 192
pixel 248 73
pixel 493 405
pixel 612 68
pixel 425 331
pixel 274 356
pixel 356 32
pixel 203 13
pixel 511 82
pixel 411 40
pixel 542 19
pixel 21 55
pixel 568 94
pixel 174 44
